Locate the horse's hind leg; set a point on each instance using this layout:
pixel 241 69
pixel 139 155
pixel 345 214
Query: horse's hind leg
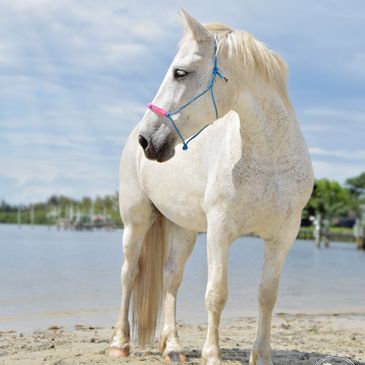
pixel 181 243
pixel 133 236
pixel 275 253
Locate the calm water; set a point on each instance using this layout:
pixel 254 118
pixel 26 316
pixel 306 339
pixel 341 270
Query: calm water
pixel 64 277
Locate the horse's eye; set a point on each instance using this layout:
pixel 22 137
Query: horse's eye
pixel 178 74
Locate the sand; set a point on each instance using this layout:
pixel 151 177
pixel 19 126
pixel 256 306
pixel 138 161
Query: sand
pixel 296 340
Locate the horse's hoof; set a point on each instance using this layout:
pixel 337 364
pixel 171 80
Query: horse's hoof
pixel 162 346
pixel 117 352
pixel 174 356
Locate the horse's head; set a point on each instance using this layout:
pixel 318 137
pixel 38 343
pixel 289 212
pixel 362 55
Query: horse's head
pixel 188 76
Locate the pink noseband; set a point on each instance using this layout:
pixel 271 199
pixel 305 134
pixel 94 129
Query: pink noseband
pixel 157 110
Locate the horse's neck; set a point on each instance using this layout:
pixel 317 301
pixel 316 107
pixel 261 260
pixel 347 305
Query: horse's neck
pixel 269 129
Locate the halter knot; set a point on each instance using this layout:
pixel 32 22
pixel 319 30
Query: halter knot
pixel 219 74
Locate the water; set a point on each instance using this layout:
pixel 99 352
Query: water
pixel 64 277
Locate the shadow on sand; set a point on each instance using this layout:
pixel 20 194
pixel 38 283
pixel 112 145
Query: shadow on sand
pixel 279 357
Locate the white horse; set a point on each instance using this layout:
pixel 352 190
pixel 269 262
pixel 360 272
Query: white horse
pixel 246 173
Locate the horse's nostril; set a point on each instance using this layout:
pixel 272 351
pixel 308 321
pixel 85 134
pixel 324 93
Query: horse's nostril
pixel 143 142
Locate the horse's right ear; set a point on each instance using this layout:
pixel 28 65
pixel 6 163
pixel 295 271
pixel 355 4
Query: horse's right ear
pixel 191 25
pixel 232 116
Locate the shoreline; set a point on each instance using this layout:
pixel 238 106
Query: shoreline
pixel 297 339
pixel 105 317
pixel 305 233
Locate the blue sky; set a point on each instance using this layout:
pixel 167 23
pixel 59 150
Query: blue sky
pixel 75 77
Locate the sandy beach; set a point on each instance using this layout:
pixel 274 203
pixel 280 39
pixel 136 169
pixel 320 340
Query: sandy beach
pixel 296 339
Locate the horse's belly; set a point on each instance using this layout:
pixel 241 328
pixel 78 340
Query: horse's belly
pixel 177 194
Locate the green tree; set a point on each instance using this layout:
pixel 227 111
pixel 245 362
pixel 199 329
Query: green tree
pixel 86 204
pixel 331 200
pixel 53 200
pixel 62 205
pixel 357 184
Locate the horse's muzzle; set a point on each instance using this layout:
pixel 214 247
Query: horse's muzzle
pixel 160 153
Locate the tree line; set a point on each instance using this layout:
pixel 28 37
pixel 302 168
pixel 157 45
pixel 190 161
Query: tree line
pixel 329 198
pixel 60 207
pixel 334 202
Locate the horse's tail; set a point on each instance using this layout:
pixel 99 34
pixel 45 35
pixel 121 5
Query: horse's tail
pixel 148 288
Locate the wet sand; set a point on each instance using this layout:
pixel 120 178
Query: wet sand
pixel 296 340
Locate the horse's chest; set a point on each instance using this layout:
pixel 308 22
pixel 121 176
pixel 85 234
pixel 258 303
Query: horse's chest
pixel 177 194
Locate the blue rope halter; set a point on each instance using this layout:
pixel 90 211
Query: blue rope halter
pixel 166 114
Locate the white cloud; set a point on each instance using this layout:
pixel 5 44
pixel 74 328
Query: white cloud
pixel 345 114
pixel 26 5
pixel 20 140
pixel 147 30
pixel 130 109
pixel 336 170
pixel 315 128
pixel 356 64
pixel 6 56
pixel 357 155
pixel 126 51
pixel 48 171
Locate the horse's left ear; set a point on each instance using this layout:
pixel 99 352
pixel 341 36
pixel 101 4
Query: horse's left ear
pixel 199 32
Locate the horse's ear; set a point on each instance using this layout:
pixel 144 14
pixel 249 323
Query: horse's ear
pixel 232 116
pixel 191 25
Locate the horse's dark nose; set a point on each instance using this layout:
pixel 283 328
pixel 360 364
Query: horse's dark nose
pixel 143 142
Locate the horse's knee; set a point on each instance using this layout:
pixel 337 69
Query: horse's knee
pixel 173 274
pixel 215 300
pixel 130 251
pixel 132 243
pixel 267 294
pixel 128 273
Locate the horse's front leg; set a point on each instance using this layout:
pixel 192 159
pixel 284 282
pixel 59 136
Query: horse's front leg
pixel 181 243
pixel 133 236
pixel 274 256
pixel 218 242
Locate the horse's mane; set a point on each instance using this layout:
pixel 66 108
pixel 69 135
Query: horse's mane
pixel 243 49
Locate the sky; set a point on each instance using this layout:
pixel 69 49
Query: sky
pixel 75 77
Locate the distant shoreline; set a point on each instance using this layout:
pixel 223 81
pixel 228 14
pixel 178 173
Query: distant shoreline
pixel 305 233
